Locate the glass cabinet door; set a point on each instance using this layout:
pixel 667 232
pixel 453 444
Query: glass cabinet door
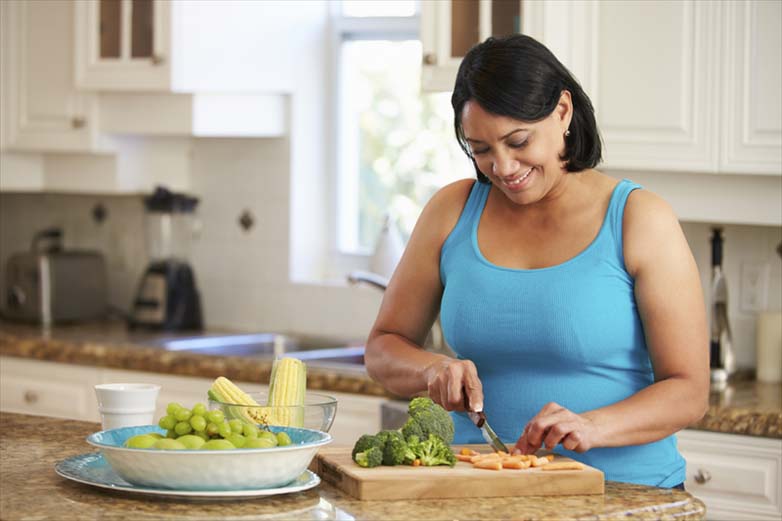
pixel 126 29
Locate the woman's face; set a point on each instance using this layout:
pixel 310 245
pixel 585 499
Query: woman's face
pixel 521 159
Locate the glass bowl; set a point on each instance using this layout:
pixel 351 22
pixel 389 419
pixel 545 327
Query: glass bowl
pixel 317 413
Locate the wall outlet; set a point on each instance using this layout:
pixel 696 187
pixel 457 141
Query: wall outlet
pixel 754 286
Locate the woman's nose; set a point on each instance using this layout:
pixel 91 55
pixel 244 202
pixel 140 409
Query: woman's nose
pixel 505 166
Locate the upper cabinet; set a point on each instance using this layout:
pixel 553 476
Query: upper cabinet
pixel 42 108
pixel 688 86
pixel 450 28
pixel 123 44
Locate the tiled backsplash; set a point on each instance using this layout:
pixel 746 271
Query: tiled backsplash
pixel 243 274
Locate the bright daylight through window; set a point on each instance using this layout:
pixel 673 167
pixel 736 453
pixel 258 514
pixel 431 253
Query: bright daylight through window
pixel 396 145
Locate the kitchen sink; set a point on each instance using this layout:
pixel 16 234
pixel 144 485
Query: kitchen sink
pixel 267 345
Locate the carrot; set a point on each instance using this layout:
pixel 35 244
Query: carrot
pixel 493 464
pixel 468 452
pixel 539 462
pixel 511 463
pixel 463 457
pixel 416 462
pixel 549 457
pixel 481 457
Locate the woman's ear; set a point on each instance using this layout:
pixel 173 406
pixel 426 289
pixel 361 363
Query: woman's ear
pixel 564 110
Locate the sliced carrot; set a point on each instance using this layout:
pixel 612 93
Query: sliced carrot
pixel 511 463
pixel 549 457
pixel 463 457
pixel 416 462
pixel 482 457
pixel 539 462
pixel 468 452
pixel 488 464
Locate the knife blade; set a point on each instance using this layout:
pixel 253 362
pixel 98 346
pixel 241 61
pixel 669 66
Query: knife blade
pixel 479 419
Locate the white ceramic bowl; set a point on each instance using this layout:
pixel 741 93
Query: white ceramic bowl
pixel 239 469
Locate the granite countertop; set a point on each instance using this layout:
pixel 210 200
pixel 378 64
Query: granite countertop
pixel 111 344
pixel 30 446
pixel 746 407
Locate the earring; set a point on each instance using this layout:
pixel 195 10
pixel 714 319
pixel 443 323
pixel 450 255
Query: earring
pixel 567 133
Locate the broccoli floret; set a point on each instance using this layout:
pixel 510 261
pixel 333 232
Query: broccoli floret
pixel 433 451
pixel 396 451
pixel 366 442
pixel 426 417
pixel 372 457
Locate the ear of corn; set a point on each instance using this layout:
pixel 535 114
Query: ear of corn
pixel 285 407
pixel 224 390
pixel 286 392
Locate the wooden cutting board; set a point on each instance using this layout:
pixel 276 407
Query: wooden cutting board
pixel 335 466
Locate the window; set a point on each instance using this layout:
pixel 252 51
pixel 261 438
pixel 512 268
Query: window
pixel 395 145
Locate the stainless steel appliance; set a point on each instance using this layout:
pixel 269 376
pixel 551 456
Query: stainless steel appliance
pixel 722 359
pixel 167 296
pixel 51 285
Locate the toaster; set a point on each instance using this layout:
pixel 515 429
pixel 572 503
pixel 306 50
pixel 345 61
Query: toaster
pixel 55 285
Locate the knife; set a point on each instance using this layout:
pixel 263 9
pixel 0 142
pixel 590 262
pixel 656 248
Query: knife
pixel 479 419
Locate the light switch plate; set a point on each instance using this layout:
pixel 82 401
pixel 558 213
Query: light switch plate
pixel 754 286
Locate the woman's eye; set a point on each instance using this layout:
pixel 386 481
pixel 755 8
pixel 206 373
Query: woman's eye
pixel 521 144
pixel 479 152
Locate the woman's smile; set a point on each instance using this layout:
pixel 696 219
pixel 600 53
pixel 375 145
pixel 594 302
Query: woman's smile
pixel 517 183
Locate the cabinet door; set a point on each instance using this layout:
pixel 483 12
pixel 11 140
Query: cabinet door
pixel 123 44
pixel 737 477
pixel 450 28
pixel 656 87
pixel 752 79
pixel 44 111
pixel 48 389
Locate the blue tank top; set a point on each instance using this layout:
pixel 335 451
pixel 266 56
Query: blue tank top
pixel 568 333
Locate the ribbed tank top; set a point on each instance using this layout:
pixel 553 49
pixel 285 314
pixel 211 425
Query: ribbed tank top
pixel 568 333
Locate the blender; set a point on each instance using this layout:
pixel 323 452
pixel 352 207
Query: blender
pixel 167 297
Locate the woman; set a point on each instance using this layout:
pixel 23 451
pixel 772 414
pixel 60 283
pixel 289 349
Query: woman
pixel 572 300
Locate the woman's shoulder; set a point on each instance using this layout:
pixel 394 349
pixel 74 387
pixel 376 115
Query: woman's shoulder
pixel 443 210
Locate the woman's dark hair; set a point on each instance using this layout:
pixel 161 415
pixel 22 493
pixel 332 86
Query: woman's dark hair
pixel 518 77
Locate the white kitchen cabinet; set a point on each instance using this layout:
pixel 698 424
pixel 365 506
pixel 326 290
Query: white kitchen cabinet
pixel 751 41
pixel 450 27
pixel 48 388
pixel 123 44
pixel 737 477
pixel 42 109
pixel 67 391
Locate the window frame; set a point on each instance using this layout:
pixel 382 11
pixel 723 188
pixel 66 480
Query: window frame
pixel 394 28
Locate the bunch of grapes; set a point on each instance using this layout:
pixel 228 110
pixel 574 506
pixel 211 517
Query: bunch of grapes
pixel 201 429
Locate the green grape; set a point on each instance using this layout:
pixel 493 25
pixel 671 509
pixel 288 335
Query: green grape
pixel 155 435
pixel 250 431
pixel 216 416
pixel 237 440
pixel 212 429
pixel 172 408
pixel 283 439
pixel 191 441
pixel 259 443
pixel 236 425
pixel 183 415
pixel 224 429
pixel 199 409
pixel 140 441
pixel 183 428
pixel 167 422
pixel 171 434
pixel 204 436
pixel 198 423
pixel 168 444
pixel 217 445
pixel 268 436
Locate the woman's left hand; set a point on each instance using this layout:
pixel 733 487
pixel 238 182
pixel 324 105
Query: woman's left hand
pixel 553 425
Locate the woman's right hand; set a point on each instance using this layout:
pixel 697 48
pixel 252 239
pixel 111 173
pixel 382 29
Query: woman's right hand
pixel 447 381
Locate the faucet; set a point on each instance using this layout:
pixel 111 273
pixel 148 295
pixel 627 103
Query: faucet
pixel 435 340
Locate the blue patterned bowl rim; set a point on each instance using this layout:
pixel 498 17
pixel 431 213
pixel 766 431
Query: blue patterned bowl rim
pixel 114 439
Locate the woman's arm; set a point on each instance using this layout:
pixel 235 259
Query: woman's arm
pixel 670 303
pixel 394 356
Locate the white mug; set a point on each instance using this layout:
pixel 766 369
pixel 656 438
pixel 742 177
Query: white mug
pixel 126 404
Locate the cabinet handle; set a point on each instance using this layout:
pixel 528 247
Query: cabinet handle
pixel 430 58
pixel 702 476
pixel 30 397
pixel 78 122
pixel 158 59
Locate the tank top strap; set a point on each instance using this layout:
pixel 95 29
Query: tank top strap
pixel 471 211
pixel 615 214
